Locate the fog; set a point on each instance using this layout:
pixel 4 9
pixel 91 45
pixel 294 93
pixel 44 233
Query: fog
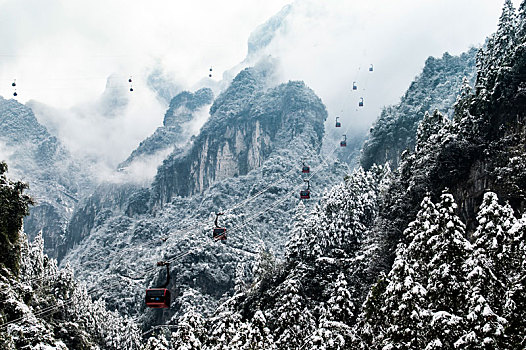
pixel 61 53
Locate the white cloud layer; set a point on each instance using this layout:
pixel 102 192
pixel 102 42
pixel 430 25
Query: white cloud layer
pixel 62 51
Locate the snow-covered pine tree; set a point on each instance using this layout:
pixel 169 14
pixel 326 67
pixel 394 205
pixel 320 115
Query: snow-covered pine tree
pixel 429 129
pixel 295 242
pixel 521 23
pixel 487 272
pixel 498 51
pixel 223 326
pixel 157 342
pixel 254 335
pixel 506 35
pixel 334 331
pixel 493 245
pixel 190 332
pixel 405 303
pixel 515 308
pixel 446 283
pixel 293 320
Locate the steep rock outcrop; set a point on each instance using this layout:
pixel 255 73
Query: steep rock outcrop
pixel 246 125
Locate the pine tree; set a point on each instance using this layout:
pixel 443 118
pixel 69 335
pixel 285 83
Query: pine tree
pixel 295 243
pixel 157 342
pixel 254 335
pixel 429 129
pixel 521 19
pixel 446 281
pixel 190 332
pixel 493 242
pixel 223 326
pixel 370 328
pixel 334 331
pixel 505 37
pixel 294 322
pixel 487 275
pixel 498 52
pixel 515 308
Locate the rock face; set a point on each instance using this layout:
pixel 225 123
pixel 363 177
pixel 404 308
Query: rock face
pixel 246 125
pixel 175 131
pixel 56 180
pixel 437 87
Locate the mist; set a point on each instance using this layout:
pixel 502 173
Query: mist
pixel 61 54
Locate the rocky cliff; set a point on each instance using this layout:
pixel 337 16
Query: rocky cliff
pixel 246 125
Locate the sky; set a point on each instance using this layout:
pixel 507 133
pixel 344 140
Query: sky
pixel 61 52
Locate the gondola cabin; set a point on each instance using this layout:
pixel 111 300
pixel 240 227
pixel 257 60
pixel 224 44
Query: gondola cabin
pixel 371 68
pixel 343 143
pixel 219 233
pixel 304 194
pixel 158 298
pixel 305 169
pixel 354 87
pixel 360 104
pixel 338 124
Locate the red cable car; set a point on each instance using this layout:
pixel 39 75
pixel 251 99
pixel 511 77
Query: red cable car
pixel 305 194
pixel 305 169
pixel 338 124
pixel 160 297
pixel 219 233
pixel 343 143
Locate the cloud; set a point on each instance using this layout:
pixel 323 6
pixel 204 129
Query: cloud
pixel 330 44
pixel 62 51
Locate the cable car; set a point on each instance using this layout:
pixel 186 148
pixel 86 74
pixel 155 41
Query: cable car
pixel 131 89
pixel 305 169
pixel 338 124
pixel 305 194
pixel 360 104
pixel 343 143
pixel 130 80
pixel 15 94
pixel 354 87
pixel 161 297
pixel 371 68
pixel 219 233
pixel 13 83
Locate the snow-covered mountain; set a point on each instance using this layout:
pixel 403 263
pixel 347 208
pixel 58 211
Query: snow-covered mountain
pixel 254 141
pixel 36 157
pixel 425 250
pixel 437 87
